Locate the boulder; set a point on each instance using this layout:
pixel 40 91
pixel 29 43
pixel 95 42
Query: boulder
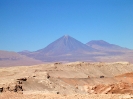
pixel 1 89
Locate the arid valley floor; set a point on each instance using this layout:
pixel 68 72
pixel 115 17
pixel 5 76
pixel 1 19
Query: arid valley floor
pixel 75 80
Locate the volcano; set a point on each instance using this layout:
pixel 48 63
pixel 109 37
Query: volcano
pixel 68 49
pixel 105 46
pixel 65 48
pixel 65 45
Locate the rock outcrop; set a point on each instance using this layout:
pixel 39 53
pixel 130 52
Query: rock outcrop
pixel 116 88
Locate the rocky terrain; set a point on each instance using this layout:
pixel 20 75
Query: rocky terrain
pixel 75 80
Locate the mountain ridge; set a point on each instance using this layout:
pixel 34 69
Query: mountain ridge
pixel 67 48
pixel 63 49
pixel 105 45
pixel 10 58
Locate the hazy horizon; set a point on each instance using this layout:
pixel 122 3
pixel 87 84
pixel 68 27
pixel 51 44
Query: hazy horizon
pixel 31 24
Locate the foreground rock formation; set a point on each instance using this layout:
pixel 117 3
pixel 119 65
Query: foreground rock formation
pixel 81 80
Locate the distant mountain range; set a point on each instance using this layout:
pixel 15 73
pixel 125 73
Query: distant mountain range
pixel 104 46
pixel 15 59
pixel 68 49
pixel 65 48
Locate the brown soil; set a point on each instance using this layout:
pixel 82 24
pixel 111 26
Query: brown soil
pixel 77 80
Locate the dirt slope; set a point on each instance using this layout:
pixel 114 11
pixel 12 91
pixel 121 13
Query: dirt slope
pixel 66 81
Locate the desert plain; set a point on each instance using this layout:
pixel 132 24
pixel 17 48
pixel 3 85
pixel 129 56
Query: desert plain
pixel 75 80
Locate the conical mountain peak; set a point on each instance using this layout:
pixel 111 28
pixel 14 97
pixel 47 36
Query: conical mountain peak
pixel 66 35
pixel 65 45
pixel 67 48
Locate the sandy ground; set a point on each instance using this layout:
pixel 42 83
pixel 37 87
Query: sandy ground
pixel 77 80
pixel 9 95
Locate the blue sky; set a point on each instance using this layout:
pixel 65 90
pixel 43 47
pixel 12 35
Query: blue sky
pixel 33 24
